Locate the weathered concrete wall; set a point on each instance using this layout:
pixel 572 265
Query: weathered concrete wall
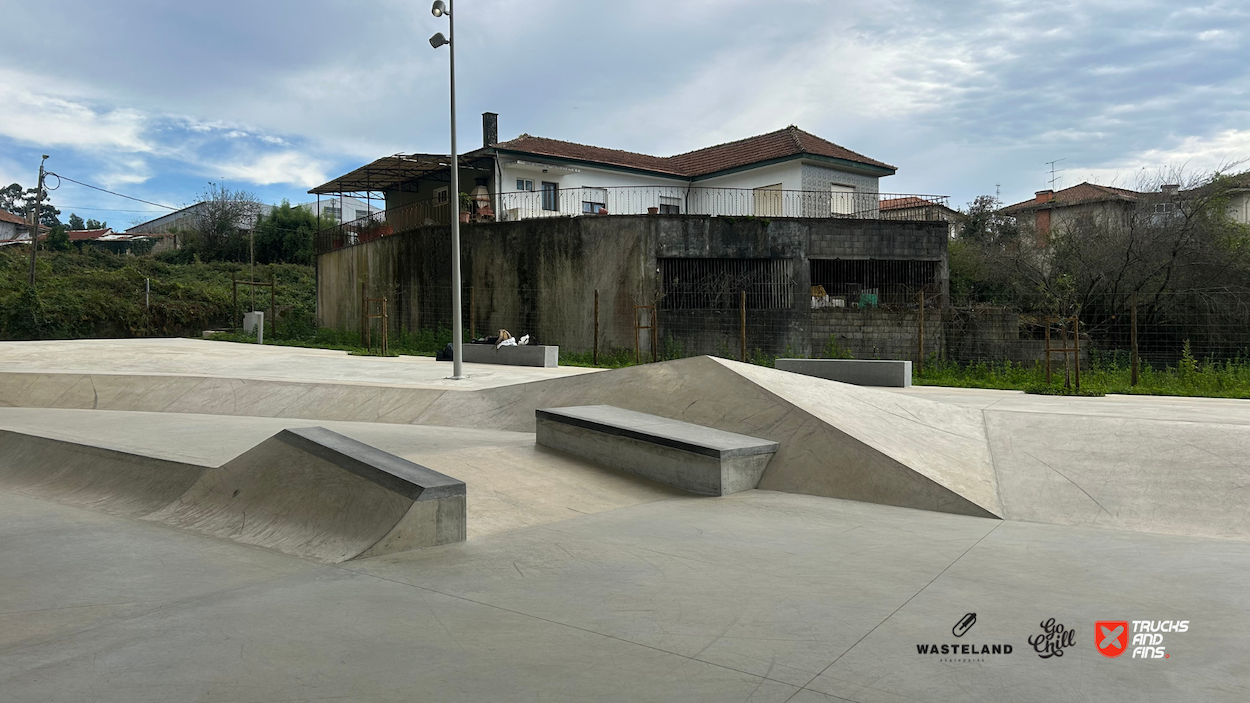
pixel 539 276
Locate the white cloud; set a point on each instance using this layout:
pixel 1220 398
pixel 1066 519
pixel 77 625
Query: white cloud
pixel 49 120
pixel 283 167
pixel 1226 150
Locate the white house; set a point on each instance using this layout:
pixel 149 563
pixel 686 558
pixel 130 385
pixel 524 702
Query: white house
pixel 341 209
pixel 787 173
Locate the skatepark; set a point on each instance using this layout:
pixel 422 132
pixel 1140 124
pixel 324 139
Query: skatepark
pixel 195 520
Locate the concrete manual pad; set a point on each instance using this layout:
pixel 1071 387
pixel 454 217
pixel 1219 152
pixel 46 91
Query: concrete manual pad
pixel 690 457
pixel 858 372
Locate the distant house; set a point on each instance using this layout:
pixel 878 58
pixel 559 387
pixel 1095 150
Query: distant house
pixel 1051 210
pixel 786 173
pixel 122 242
pixel 918 208
pixel 343 209
pixel 15 229
pixel 185 218
pixel 1054 210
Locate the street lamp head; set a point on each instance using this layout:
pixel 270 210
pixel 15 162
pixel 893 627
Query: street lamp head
pixel 439 9
pixel 438 40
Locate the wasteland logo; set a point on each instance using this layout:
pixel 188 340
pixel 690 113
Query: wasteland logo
pixel 1052 640
pixel 966 652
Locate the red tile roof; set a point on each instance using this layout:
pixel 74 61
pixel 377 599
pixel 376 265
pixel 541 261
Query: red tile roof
pixel 1077 194
pixel 6 216
pixel 788 142
pixel 79 235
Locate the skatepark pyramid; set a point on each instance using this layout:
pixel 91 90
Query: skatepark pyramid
pixel 837 440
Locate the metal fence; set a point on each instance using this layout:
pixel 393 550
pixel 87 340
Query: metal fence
pixel 640 200
pixel 1164 331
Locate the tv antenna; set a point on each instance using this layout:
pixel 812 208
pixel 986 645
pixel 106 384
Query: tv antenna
pixel 1054 177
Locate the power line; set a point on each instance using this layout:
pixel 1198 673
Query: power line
pixel 120 195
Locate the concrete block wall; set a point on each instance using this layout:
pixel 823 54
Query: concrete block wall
pixel 876 333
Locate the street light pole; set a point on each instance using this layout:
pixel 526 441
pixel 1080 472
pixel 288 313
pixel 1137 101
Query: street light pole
pixel 457 334
pixel 34 221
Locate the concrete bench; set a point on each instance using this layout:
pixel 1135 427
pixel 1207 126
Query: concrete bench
pixel 528 355
pixel 860 372
pixel 691 457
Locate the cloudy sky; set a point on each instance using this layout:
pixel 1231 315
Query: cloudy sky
pixel 156 99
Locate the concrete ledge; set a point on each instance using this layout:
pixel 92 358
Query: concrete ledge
pixel 860 372
pixel 529 355
pixel 690 457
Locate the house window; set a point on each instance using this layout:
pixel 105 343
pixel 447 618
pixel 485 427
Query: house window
pixel 594 200
pixel 440 196
pixel 550 193
pixel 841 199
pixel 332 212
pixel 670 206
pixel 525 185
pixel 362 214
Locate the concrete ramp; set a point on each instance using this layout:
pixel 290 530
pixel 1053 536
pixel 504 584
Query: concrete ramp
pixel 836 440
pixel 317 494
pixel 308 492
pixel 97 478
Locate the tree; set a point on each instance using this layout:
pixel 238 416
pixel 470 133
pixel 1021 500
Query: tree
pixel 95 224
pixel 57 240
pixel 285 235
pixel 219 225
pixel 19 202
pixel 75 222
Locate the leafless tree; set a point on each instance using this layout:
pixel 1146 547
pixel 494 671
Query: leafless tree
pixel 221 219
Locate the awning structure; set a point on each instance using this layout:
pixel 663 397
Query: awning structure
pixel 390 172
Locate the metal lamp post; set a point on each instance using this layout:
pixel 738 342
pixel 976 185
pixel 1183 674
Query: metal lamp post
pixel 439 10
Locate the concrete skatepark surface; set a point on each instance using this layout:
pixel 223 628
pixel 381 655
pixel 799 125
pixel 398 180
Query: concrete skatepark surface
pixel 581 583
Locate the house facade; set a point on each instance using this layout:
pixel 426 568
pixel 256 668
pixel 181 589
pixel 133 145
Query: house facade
pixel 787 173
pixel 15 229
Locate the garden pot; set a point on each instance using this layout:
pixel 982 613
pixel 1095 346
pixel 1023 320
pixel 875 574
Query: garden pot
pixel 653 211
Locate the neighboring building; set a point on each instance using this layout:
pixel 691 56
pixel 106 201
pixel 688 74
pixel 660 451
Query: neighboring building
pixel 15 229
pixel 122 242
pixel 333 211
pixel 918 208
pixel 787 173
pixel 185 218
pixel 1052 210
pixel 552 223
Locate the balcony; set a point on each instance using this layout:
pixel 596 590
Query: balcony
pixel 643 200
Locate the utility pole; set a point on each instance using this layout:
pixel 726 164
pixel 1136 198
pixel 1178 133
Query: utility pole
pixel 34 222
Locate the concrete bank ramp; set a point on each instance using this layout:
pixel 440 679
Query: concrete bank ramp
pixel 836 440
pixel 308 492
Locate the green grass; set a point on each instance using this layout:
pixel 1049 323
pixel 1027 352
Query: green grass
pixel 1213 379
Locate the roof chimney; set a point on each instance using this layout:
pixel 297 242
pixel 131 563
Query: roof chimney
pixel 490 129
pixel 1169 189
pixel 1043 196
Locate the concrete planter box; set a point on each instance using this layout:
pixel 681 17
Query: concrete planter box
pixel 860 372
pixel 529 355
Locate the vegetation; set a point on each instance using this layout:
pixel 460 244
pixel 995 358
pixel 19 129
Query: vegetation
pixel 94 293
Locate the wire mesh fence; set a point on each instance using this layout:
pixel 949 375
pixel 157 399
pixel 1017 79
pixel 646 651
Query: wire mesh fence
pixel 615 326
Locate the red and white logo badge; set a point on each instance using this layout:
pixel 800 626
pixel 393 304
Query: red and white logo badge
pixel 1111 637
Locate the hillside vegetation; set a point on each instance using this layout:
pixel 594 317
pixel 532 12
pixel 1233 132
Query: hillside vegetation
pixel 91 293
